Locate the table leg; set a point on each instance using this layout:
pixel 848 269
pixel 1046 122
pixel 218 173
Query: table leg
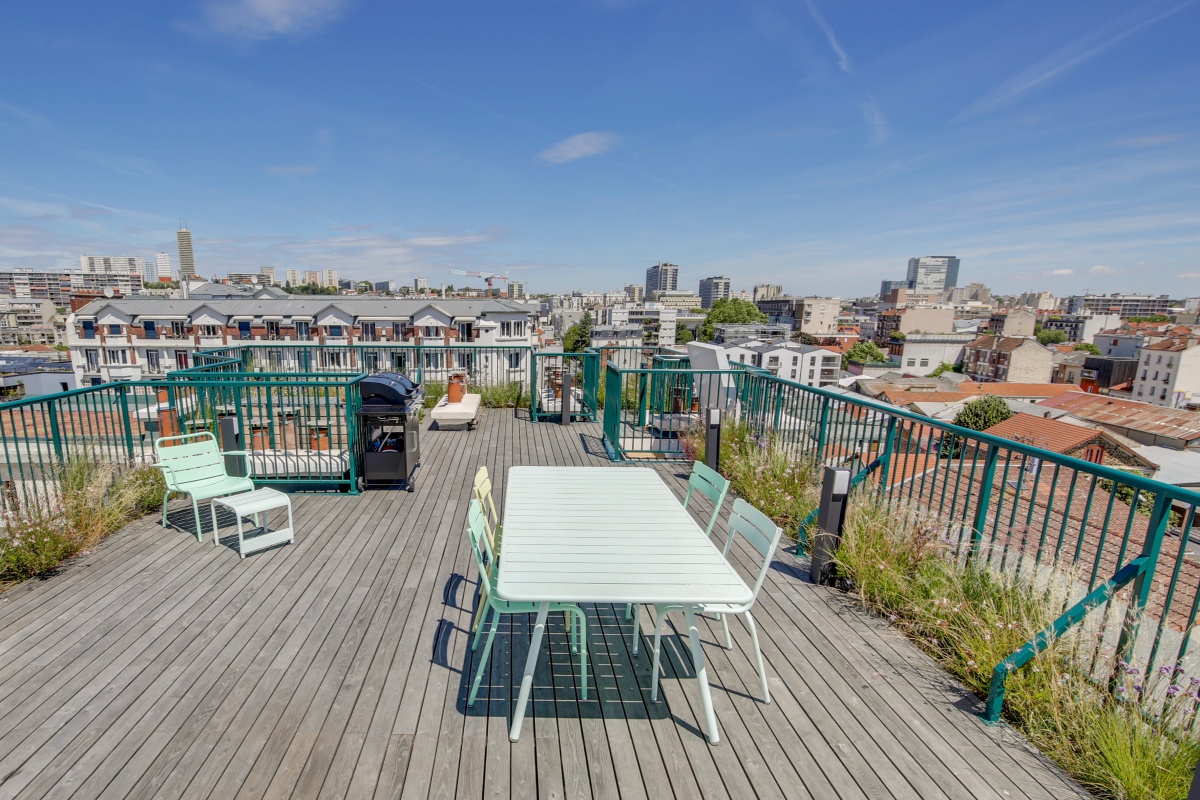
pixel 535 647
pixel 213 508
pixel 710 717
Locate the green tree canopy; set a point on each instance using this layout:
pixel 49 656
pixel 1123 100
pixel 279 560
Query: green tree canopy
pixel 683 335
pixel 807 338
pixel 941 368
pixel 982 413
pixel 1052 337
pixel 579 336
pixel 864 352
pixel 730 311
pixel 1087 347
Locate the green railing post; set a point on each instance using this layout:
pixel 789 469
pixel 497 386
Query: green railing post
pixel 123 393
pixel 990 457
pixel 821 431
pixel 55 432
pixel 1159 517
pixel 885 455
pixel 533 387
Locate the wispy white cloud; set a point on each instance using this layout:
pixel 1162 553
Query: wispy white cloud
pixel 289 170
pixel 262 19
pixel 581 145
pixel 1100 269
pixel 875 121
pixel 1189 275
pixel 830 36
pixel 1150 141
pixel 1061 273
pixel 1071 56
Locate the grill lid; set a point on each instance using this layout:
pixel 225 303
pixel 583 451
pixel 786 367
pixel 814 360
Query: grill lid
pixel 389 389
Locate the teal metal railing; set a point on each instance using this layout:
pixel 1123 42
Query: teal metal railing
pixel 1123 537
pixel 552 372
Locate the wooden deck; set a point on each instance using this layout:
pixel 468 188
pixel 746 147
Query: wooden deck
pixel 159 667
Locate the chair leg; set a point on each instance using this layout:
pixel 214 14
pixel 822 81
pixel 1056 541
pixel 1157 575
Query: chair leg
pixel 728 637
pixel 571 621
pixel 583 653
pixel 659 615
pixel 635 633
pixel 483 659
pixel 480 618
pixel 166 496
pixel 762 672
pixel 199 527
pixel 629 611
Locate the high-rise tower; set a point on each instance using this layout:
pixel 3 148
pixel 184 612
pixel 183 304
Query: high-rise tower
pixel 662 277
pixel 932 274
pixel 187 260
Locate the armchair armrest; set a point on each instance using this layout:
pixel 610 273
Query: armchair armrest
pixel 245 455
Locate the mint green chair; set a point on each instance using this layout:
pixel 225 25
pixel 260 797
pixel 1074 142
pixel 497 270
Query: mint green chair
pixel 481 490
pixel 710 483
pixel 763 535
pixel 489 603
pixel 194 465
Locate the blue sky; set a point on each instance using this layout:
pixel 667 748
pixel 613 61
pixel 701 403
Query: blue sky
pixel 812 143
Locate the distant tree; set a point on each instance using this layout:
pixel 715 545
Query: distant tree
pixel 807 338
pixel 1052 337
pixel 579 336
pixel 864 352
pixel 730 311
pixel 1152 318
pixel 1087 347
pixel 941 368
pixel 982 413
pixel 683 335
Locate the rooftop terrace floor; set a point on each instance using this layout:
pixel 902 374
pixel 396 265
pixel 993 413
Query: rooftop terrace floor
pixel 334 667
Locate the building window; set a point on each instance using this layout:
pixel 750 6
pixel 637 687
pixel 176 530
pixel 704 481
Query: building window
pixel 151 330
pixel 466 332
pixel 152 361
pixel 465 360
pixel 302 330
pixel 181 359
pixel 89 329
pixel 335 359
pixel 244 329
pixel 912 362
pixel 514 360
pixel 512 328
pixel 795 360
pixel 115 330
pixel 116 356
pixel 272 329
pixel 334 330
pixel 429 331
pixel 397 331
pixel 178 330
pixel 93 360
pixel 811 374
pixel 368 332
pixel 924 362
pixel 210 330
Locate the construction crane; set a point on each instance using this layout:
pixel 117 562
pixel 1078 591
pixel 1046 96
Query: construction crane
pixel 487 276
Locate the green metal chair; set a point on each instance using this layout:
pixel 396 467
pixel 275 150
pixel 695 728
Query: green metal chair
pixel 710 483
pixel 194 465
pixel 482 491
pixel 756 528
pixel 486 564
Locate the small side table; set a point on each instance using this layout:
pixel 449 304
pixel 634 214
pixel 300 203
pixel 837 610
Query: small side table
pixel 256 502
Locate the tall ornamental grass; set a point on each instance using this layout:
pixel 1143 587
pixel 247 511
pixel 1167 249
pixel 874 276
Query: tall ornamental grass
pixel 1136 742
pixel 73 509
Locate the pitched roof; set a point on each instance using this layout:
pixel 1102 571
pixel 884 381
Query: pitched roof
pixel 303 305
pixel 1048 434
pixel 1173 423
pixel 969 389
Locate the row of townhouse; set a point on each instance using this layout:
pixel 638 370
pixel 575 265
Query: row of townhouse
pixel 134 339
pixel 1169 373
pixel 1007 358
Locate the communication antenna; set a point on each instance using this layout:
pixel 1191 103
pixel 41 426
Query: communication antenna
pixel 108 292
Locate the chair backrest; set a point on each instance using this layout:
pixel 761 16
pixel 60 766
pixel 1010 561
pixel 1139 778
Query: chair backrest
pixel 480 548
pixel 193 458
pixel 756 528
pixel 482 491
pixel 711 484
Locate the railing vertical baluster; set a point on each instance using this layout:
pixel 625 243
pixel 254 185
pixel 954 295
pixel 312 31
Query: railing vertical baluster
pixel 1157 529
pixel 985 497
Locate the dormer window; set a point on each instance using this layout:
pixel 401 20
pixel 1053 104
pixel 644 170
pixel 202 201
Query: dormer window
pixel 115 330
pixel 335 330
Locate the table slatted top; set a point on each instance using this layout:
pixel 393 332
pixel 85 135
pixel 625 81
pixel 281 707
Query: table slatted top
pixel 605 535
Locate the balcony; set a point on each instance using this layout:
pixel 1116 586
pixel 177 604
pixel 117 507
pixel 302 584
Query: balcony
pixel 336 665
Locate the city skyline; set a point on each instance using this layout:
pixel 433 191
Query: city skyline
pixel 573 147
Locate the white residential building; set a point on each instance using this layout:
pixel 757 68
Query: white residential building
pixel 658 322
pixel 162 266
pixel 516 290
pixel 683 301
pixel 932 274
pixel 329 278
pixel 58 285
pixel 802 363
pixel 421 284
pixel 922 353
pixel 132 339
pixel 635 293
pixel 111 265
pixel 294 277
pixel 819 315
pixel 1169 373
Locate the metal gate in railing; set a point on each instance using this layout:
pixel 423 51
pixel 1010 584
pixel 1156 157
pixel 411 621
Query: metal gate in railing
pixel 565 383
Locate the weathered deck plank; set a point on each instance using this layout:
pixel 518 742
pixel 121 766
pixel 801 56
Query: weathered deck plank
pixel 339 667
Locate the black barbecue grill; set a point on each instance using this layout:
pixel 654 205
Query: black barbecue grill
pixel 390 419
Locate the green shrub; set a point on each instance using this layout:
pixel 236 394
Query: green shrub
pixel 1134 745
pixel 503 395
pixel 433 392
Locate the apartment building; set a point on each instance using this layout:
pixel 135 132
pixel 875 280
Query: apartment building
pixel 903 321
pixel 662 277
pixel 1169 373
pixel 679 300
pixel 658 322
pixel 57 285
pixel 766 291
pixel 1123 305
pixel 132 339
pixel 1038 301
pixel 1080 327
pixel 31 323
pixel 1020 322
pixel 802 363
pixel 635 293
pixel 922 353
pixel 819 315
pixel 713 289
pixel 735 333
pixel 106 265
pixel 1007 359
